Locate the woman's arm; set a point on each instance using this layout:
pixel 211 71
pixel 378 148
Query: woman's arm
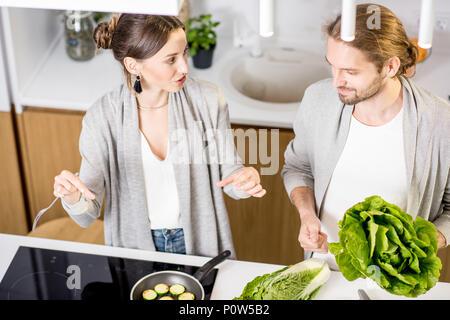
pixel 238 181
pixel 87 209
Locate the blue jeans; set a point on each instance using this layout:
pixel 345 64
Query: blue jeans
pixel 169 240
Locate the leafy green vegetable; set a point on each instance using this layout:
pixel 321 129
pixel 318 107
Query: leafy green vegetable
pixel 300 281
pixel 379 241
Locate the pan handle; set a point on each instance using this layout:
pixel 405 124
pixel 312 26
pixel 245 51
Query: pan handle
pixel 203 271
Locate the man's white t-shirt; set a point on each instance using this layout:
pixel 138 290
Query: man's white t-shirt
pixel 160 188
pixel 372 163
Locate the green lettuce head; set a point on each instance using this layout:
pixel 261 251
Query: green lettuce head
pixel 300 281
pixel 379 241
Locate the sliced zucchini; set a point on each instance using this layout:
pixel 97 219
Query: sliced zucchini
pixel 149 294
pixel 166 298
pixel 186 296
pixel 177 289
pixel 161 288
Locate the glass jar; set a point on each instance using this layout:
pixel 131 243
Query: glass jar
pixel 79 29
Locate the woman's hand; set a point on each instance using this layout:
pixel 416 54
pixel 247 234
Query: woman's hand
pixel 245 179
pixel 69 186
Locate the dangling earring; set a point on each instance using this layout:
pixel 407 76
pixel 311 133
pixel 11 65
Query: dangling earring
pixel 137 85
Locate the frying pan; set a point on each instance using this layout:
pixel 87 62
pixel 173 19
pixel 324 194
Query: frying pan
pixel 191 283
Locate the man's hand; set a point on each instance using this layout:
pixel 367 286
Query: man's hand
pixel 441 240
pixel 310 237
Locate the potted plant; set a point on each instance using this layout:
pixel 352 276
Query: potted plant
pixel 201 39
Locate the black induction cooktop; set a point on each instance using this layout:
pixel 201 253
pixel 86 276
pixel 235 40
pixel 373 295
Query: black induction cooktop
pixel 43 274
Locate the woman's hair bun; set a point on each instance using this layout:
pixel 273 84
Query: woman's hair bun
pixel 104 31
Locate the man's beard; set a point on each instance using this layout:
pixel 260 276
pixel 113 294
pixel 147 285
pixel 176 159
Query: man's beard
pixel 367 93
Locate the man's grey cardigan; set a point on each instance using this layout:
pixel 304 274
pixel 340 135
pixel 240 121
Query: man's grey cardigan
pixel 321 128
pixel 112 166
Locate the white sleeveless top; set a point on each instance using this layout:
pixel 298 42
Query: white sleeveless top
pixel 160 189
pixel 372 163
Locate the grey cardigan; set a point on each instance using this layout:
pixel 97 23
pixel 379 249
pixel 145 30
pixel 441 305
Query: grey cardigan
pixel 321 128
pixel 112 165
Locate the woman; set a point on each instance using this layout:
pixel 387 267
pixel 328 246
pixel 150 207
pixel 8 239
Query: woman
pixel 138 143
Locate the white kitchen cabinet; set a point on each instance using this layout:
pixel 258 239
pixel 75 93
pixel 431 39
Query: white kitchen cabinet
pixel 170 7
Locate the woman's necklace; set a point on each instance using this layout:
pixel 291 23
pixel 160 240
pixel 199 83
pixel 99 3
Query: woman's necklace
pixel 149 108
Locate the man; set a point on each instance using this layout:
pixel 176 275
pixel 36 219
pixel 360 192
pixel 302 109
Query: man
pixel 368 131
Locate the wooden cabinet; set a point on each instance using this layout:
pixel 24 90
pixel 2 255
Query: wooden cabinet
pixel 12 205
pixel 444 255
pixel 265 229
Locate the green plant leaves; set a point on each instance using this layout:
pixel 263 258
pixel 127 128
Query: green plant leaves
pixel 380 241
pixel 200 34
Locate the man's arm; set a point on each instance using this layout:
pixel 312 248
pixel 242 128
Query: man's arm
pixel 442 223
pixel 442 242
pixel 298 180
pixel 303 199
pixel 310 236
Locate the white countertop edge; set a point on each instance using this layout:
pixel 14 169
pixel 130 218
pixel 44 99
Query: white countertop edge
pixel 52 104
pixel 104 250
pixel 29 102
pixel 261 123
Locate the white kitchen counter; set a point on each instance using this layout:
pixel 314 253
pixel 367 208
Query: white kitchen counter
pixel 231 278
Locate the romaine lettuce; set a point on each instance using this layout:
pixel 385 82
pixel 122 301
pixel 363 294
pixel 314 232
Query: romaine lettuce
pixel 379 241
pixel 300 281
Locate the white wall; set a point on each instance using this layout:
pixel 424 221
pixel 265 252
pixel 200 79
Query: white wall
pixel 299 20
pixel 34 32
pixel 5 104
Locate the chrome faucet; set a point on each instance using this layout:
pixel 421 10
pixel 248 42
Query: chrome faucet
pixel 245 36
